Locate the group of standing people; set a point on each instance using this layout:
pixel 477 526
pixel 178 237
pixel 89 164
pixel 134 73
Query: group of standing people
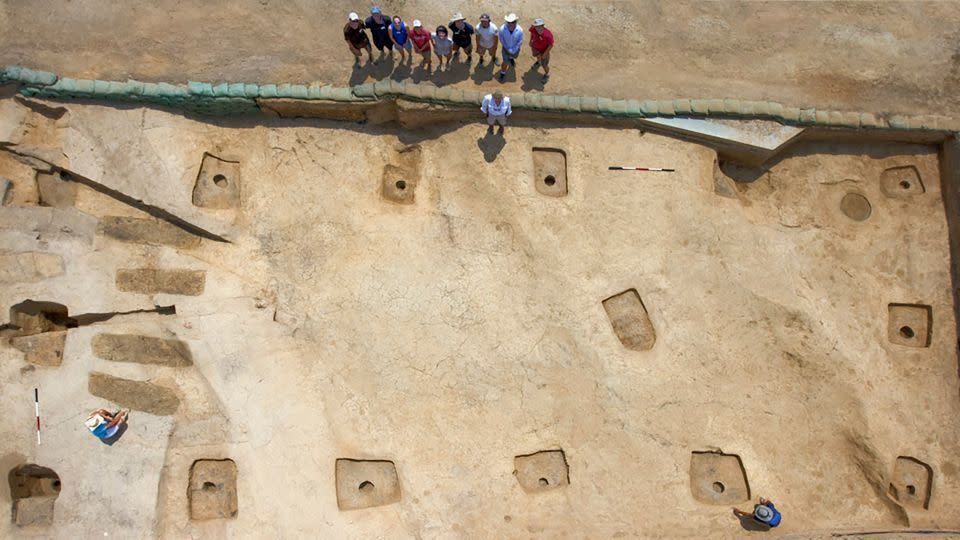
pixel 446 42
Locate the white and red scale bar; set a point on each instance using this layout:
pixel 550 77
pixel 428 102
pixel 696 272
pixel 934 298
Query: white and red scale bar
pixel 651 169
pixel 36 404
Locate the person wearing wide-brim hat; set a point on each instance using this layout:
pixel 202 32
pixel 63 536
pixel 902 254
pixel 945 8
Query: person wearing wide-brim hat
pixel 764 513
pixel 541 42
pixel 461 32
pixel 511 39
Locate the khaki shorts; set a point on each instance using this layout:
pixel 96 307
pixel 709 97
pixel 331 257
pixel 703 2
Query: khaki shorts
pixel 544 61
pixel 502 120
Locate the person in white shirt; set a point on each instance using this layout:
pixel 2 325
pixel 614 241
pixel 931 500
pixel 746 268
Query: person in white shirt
pixel 487 39
pixel 497 108
pixel 511 38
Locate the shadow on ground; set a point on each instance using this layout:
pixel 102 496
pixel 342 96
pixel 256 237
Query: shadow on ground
pixel 532 80
pixel 491 144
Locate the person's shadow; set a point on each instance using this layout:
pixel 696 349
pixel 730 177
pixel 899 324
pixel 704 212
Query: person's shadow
pixel 491 144
pixel 402 71
pixel 532 80
pixel 121 429
pixel 750 524
pixel 420 74
pixel 383 69
pixel 360 73
pixel 484 73
pixel 459 70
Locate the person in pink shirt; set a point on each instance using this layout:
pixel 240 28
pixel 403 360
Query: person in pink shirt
pixel 541 42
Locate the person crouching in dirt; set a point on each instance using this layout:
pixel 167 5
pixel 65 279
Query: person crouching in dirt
pixel 356 38
pixel 764 513
pixel 497 108
pixel 106 426
pixel 541 41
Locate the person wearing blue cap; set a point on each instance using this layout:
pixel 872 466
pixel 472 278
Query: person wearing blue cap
pixel 379 25
pixel 764 513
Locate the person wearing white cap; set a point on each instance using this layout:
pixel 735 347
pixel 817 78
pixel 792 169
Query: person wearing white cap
pixel 356 38
pixel 461 32
pixel 421 43
pixel 511 38
pixel 764 513
pixel 487 39
pixel 541 41
pixel 496 108
pixel 104 425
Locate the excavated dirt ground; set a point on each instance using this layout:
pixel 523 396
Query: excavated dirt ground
pixel 451 332
pixel 881 57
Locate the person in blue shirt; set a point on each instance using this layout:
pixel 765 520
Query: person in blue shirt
pixel 379 24
pixel 511 39
pixel 106 426
pixel 400 39
pixel 764 513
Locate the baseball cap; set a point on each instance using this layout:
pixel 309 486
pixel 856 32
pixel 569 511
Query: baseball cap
pixel 763 513
pixel 353 17
pixel 458 17
pixel 538 22
pixel 511 17
pixel 375 9
pixel 416 23
pixel 484 17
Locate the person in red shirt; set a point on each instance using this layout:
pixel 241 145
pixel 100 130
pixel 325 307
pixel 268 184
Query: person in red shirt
pixel 541 41
pixel 421 43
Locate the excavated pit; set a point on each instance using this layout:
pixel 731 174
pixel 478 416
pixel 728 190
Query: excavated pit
pixel 405 293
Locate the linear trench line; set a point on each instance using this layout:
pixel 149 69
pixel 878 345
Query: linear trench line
pixel 229 99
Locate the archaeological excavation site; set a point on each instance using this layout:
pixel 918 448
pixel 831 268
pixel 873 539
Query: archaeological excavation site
pixel 341 309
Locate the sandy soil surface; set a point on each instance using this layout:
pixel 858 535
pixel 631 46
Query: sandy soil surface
pixel 897 57
pixel 457 332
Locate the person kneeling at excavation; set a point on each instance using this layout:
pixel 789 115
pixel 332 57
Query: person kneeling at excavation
pixel 497 108
pixel 106 426
pixel 764 513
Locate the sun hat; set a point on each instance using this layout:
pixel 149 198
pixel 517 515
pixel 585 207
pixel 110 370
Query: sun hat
pixel 353 17
pixel 484 17
pixel 94 421
pixel 763 513
pixel 511 17
pixel 458 17
pixel 416 23
pixel 538 22
pixel 374 10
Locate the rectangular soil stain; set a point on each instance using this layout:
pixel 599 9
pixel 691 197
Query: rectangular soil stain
pixel 138 395
pixel 153 281
pixel 146 231
pixel 630 320
pixel 142 350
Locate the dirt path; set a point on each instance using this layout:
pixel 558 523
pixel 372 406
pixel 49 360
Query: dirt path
pixel 898 57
